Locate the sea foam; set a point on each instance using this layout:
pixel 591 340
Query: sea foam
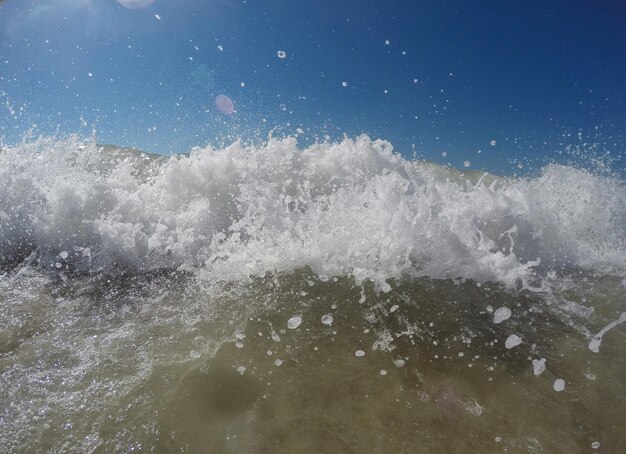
pixel 348 208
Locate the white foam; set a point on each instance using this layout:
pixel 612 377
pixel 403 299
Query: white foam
pixel 596 341
pixel 294 322
pixel 501 314
pixel 348 208
pixel 512 341
pixel 539 366
pixel 559 385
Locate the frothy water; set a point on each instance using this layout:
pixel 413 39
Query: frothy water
pixel 349 208
pixel 278 299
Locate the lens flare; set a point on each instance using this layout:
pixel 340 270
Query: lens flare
pixel 225 104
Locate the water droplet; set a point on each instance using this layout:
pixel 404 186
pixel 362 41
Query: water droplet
pixel 345 84
pixel 278 362
pixel 63 254
pixel 501 314
pixel 512 341
pixel 294 322
pixel 281 54
pixel 493 143
pixel 359 353
pixel 194 354
pixel 559 384
pixel 595 444
pixel 383 372
pixel 327 319
pixel 539 366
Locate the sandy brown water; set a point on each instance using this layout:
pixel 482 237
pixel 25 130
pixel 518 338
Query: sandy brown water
pixel 164 363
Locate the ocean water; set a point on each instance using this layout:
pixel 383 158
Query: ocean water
pixel 332 298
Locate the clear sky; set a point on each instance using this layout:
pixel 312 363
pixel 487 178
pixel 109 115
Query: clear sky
pixel 434 76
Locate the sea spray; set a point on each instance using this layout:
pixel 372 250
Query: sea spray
pixel 349 208
pixel 147 301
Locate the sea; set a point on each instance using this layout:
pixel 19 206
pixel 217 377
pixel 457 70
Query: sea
pixel 330 298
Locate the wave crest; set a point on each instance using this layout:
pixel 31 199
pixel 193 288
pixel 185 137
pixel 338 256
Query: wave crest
pixel 348 208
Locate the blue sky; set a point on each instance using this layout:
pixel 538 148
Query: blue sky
pixel 433 76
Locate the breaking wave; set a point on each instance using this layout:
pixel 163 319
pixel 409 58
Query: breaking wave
pixel 351 208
